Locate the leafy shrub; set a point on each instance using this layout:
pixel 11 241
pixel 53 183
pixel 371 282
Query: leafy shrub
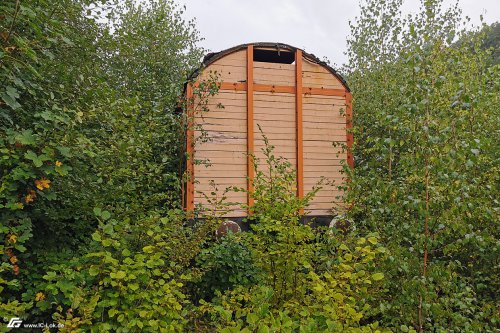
pixel 226 264
pixel 310 281
pixel 131 280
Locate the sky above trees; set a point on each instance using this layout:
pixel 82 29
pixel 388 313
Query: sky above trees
pixel 319 26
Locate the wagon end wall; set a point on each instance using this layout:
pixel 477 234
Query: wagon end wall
pixel 301 105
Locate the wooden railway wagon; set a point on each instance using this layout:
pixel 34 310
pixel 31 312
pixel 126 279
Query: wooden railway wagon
pixel 302 105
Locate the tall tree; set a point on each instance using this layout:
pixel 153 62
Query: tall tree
pixel 426 113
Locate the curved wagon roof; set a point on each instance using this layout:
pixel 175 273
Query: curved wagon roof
pixel 214 56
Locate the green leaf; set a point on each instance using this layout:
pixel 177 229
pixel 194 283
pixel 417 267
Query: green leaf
pixel 65 151
pixel 67 41
pixel 377 276
pixel 108 229
pixel 118 275
pixel 10 101
pixel 148 249
pixel 97 211
pixel 26 137
pixel 20 247
pixel 105 215
pixel 37 159
pixel 62 170
pixel 343 247
pixel 94 270
pixel 96 236
pixel 112 312
pixel 252 318
pixel 263 329
pixel 12 92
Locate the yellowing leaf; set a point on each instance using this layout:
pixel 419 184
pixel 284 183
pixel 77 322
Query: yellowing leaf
pixel 39 297
pixel 12 239
pixel 30 196
pixel 42 184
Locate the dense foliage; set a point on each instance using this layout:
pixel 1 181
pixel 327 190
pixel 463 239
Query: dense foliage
pixel 491 42
pixel 81 128
pixel 427 115
pixel 91 151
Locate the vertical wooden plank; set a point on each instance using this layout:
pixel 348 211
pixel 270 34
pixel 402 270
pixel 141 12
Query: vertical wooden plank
pixel 190 149
pixel 250 127
pixel 298 121
pixel 350 136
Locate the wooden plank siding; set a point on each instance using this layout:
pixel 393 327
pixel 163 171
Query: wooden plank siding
pixel 317 76
pixel 269 100
pixel 274 74
pixel 275 114
pixel 324 123
pixel 226 147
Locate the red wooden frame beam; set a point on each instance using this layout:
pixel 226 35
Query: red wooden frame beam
pixel 250 128
pixel 190 149
pixel 298 120
pixel 324 91
pixel 240 86
pixel 233 86
pixel 273 88
pixel 350 136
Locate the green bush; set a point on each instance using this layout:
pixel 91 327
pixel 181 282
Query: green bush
pixel 131 280
pixel 224 265
pixel 311 280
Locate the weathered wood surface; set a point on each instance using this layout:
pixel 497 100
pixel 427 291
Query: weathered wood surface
pixel 225 151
